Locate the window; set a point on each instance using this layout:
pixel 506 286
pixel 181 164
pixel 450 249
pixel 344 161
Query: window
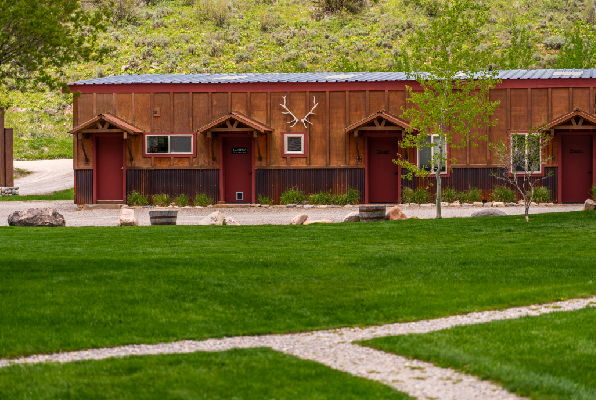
pixel 294 144
pixel 169 144
pixel 426 154
pixel 525 153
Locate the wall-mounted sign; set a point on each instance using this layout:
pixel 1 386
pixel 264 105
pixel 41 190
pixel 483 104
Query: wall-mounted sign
pixel 294 144
pixel 239 151
pixel 576 151
pixel 382 152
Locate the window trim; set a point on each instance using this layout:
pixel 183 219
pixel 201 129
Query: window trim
pixel 303 135
pixel 193 153
pixel 520 174
pixel 432 149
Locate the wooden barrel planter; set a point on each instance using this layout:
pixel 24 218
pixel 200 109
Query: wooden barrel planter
pixel 370 213
pixel 163 217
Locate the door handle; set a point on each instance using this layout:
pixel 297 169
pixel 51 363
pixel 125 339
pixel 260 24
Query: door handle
pixel 397 173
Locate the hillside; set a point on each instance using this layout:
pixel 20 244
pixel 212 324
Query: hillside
pixel 209 36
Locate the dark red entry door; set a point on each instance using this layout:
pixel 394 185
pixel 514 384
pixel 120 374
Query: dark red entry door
pixel 237 160
pixel 576 164
pixel 383 174
pixel 109 165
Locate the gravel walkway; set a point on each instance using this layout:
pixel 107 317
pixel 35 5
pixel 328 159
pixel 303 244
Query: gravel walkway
pixel 334 348
pixel 47 176
pixel 245 215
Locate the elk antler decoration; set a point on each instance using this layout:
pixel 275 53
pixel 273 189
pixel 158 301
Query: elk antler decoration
pixel 295 120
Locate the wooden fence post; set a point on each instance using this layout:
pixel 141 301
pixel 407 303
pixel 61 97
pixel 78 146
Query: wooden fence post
pixel 8 151
pixel 2 152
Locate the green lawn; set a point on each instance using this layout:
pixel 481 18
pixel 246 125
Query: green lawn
pixel 237 374
pixel 546 357
pixel 73 288
pixel 67 194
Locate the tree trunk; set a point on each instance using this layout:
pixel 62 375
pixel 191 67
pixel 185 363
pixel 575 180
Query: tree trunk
pixel 438 175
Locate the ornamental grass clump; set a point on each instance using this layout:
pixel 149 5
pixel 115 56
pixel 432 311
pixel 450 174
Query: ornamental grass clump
pixel 594 192
pixel 161 200
pixel 503 194
pixel 321 198
pixel 292 196
pixel 449 195
pixel 136 199
pixel 541 195
pixel 203 200
pixel 265 200
pixel 181 200
pixel 470 196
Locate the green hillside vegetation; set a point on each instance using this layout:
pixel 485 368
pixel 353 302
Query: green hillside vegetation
pixel 233 36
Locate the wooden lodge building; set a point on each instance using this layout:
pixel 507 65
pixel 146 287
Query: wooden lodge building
pixel 235 136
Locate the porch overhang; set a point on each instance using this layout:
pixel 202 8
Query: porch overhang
pixel 379 121
pixel 577 119
pixel 105 124
pixel 235 123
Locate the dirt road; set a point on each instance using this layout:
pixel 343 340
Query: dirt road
pixel 47 176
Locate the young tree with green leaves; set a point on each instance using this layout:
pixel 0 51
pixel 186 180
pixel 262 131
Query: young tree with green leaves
pixel 449 56
pixel 40 37
pixel 579 51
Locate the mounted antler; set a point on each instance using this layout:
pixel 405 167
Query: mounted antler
pixel 295 120
pixel 305 119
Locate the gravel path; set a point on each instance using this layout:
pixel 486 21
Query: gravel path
pixel 48 176
pixel 334 348
pixel 246 215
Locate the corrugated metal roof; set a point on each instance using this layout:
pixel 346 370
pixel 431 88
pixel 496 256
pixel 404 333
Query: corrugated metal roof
pixel 313 77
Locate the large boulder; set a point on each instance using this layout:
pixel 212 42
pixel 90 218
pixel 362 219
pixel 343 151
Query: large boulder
pixel 47 217
pixel 353 217
pixel 299 220
pixel 589 205
pixel 489 212
pixel 127 217
pixel 230 221
pixel 214 219
pixel 395 213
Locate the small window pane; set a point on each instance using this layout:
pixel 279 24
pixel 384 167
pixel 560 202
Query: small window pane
pixel 424 158
pixel 295 144
pixel 157 144
pixel 436 152
pixel 180 144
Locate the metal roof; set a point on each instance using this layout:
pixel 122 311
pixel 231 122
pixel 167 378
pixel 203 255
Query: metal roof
pixel 313 77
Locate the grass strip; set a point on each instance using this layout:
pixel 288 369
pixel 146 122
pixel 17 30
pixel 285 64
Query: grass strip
pixel 74 288
pixel 256 373
pixel 545 357
pixel 67 194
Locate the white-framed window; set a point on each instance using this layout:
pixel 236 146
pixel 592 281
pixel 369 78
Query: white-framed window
pixel 427 153
pixel 164 144
pixel 526 155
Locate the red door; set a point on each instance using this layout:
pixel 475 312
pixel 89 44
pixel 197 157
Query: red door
pixel 576 164
pixel 109 168
pixel 383 174
pixel 237 169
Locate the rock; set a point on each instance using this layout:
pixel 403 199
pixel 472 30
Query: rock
pixel 414 218
pixel 549 204
pixel 478 204
pixel 427 205
pixel 334 206
pixel 498 204
pixel 291 205
pixel 298 220
pixel 510 204
pixel 124 68
pixel 489 212
pixel 230 221
pixel 349 206
pixel 395 213
pixel 353 217
pixel 47 217
pixel 214 219
pixel 488 204
pixel 455 204
pixel 306 223
pixel 209 205
pixel 322 206
pixel 444 204
pixel 265 206
pixel 467 204
pixel 589 205
pixel 127 218
pixel 256 205
pixel 309 206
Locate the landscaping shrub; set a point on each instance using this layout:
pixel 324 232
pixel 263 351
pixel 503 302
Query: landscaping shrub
pixel 265 200
pixel 421 196
pixel 470 196
pixel 320 198
pixel 161 200
pixel 503 194
pixel 407 195
pixel 136 199
pixel 449 195
pixel 352 196
pixel 594 192
pixel 292 195
pixel 181 200
pixel 541 195
pixel 203 200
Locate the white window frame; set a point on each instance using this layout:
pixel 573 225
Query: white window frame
pixel 539 172
pixel 302 150
pixel 432 154
pixel 192 144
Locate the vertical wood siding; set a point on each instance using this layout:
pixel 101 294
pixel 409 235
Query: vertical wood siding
pixel 83 191
pixel 273 182
pixel 463 179
pixel 174 182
